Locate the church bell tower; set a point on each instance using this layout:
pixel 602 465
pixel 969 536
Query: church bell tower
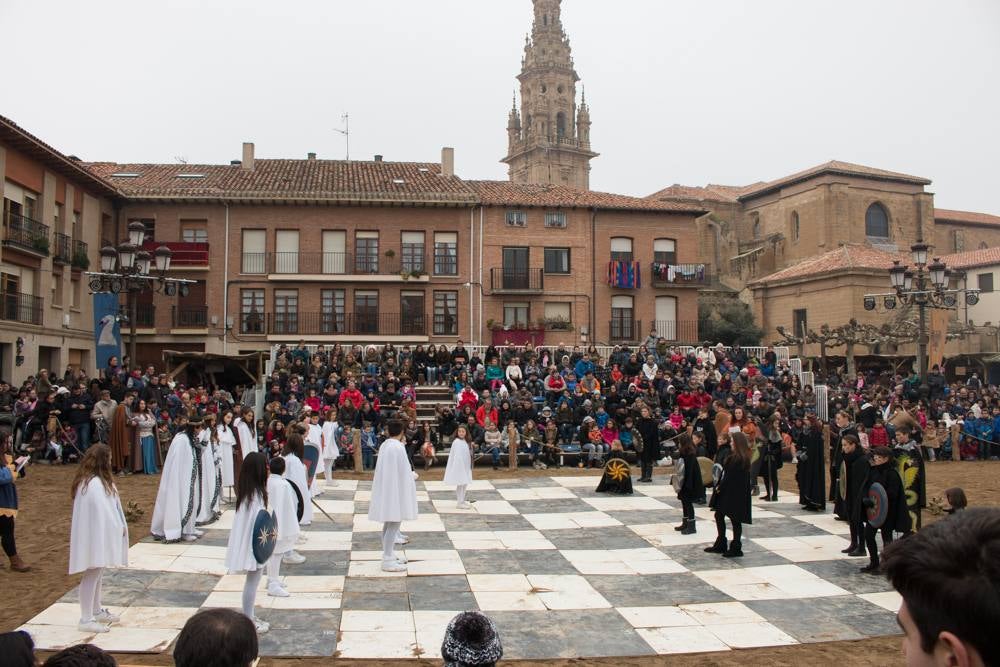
pixel 549 138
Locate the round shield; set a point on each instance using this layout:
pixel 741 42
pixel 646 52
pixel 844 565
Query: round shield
pixel 617 469
pixel 264 536
pixel 716 474
pixel 677 479
pixel 311 458
pixel 878 510
pixel 706 470
pixel 842 480
pixel 754 454
pixel 300 508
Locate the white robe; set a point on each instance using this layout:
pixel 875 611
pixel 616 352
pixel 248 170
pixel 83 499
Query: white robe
pixel 227 440
pixel 239 550
pixel 247 439
pixel 179 493
pixel 394 491
pixel 209 464
pixel 98 535
pixel 314 436
pixel 295 470
pixel 330 448
pixel 459 468
pixel 282 501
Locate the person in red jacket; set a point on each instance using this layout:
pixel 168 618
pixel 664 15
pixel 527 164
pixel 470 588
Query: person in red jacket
pixel 687 402
pixel 486 411
pixel 351 394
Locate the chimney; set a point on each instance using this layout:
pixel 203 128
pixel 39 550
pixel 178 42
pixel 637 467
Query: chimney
pixel 378 158
pixel 310 156
pixel 447 161
pixel 248 155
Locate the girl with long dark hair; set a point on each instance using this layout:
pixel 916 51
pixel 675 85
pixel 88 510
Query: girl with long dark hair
pixel 227 443
pixel 731 498
pixel 251 498
pixel 691 486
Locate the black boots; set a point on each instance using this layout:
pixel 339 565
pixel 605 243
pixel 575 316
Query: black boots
pixel 735 550
pixel 858 552
pixel 719 547
pixel 689 527
pixel 872 567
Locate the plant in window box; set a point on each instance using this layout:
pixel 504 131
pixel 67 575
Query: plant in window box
pixel 416 273
pixel 40 243
pixel 491 324
pixel 80 260
pixel 390 253
pixel 404 274
pixel 556 324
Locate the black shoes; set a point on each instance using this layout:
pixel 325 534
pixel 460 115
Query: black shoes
pixel 858 553
pixel 871 568
pixel 689 528
pixel 850 548
pixel 735 551
pixel 720 546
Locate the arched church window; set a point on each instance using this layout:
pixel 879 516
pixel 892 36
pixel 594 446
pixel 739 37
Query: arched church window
pixel 795 226
pixel 560 124
pixel 877 222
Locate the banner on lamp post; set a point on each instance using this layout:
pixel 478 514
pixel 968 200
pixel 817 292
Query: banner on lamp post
pixel 107 333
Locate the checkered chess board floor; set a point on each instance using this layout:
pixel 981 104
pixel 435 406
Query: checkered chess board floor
pixel 564 572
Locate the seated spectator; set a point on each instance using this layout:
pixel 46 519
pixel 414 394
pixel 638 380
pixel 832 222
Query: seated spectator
pixel 17 649
pixel 471 640
pixel 217 638
pixel 81 655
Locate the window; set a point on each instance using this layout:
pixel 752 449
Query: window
pixel 57 290
pixel 331 305
pixel 412 314
pixel 254 244
pixel 366 312
pixel 623 327
pixel 335 252
pixel 75 292
pixel 665 251
pixel 445 313
pixel 756 229
pixel 194 232
pixel 877 222
pixel 666 317
pixel 517 218
pixel 516 315
pixel 446 253
pixel 252 311
pixel 555 219
pixel 621 249
pixel 800 322
pixel 286 251
pixel 57 219
pixel 985 282
pixel 958 240
pixel 413 251
pixel 366 252
pixel 558 315
pixel 515 269
pixel 149 224
pixel 560 124
pixel 795 227
pixel 77 232
pixel 286 311
pixel 557 260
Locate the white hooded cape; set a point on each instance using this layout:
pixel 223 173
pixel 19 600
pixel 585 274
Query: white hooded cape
pixel 227 440
pixel 98 533
pixel 295 470
pixel 282 501
pixel 180 491
pixel 210 495
pixel 330 449
pixel 459 468
pixel 248 441
pixel 239 550
pixel 394 491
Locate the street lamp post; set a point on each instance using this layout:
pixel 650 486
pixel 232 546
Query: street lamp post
pixel 925 286
pixel 127 268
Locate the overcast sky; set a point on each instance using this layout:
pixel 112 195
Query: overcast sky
pixel 680 92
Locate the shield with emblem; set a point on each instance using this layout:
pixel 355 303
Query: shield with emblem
pixel 311 458
pixel 842 481
pixel 677 479
pixel 300 507
pixel 264 536
pixel 617 470
pixel 878 509
pixel 716 473
pixel 706 470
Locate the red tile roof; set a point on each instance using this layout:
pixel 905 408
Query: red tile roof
pixel 289 180
pixel 972 258
pixel 968 217
pixel 710 192
pixel 501 193
pixel 844 258
pixel 833 167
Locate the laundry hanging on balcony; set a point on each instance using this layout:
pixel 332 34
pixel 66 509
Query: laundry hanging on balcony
pixel 624 274
pixel 669 273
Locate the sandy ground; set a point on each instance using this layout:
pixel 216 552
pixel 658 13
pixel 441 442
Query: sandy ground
pixel 43 540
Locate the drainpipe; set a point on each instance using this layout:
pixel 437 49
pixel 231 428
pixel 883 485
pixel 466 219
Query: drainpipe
pixel 225 287
pixel 593 277
pixel 480 331
pixel 472 236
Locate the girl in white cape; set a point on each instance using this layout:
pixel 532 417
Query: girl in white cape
pixel 227 443
pixel 98 534
pixel 458 472
pixel 251 498
pixel 314 437
pixel 179 497
pixel 210 478
pixel 295 470
pixel 330 450
pixel 394 495
pixel 284 503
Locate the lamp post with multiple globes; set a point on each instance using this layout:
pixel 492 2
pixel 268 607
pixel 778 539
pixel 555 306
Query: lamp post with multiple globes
pixel 127 268
pixel 925 286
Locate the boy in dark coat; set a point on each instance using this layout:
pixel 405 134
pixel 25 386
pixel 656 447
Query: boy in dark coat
pixel 857 472
pixel 898 517
pixel 909 464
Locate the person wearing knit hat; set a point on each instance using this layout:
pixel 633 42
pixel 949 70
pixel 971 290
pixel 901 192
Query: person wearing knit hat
pixel 471 640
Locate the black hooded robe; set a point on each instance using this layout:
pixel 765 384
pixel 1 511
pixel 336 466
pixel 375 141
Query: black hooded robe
pixel 810 472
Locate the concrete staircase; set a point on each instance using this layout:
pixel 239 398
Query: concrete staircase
pixel 429 398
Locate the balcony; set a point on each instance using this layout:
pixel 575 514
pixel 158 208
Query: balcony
pixel 624 330
pixel 145 316
pixel 186 254
pixel 336 267
pixel 23 308
pixel 26 234
pixel 81 258
pixel 62 248
pixel 676 331
pixel 370 325
pixel 189 317
pixel 680 275
pixel 507 280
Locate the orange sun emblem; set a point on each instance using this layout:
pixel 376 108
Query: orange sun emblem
pixel 617 470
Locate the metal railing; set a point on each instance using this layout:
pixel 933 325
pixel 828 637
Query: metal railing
pixel 677 331
pixel 145 315
pixel 337 324
pixel 184 253
pixel 81 257
pixel 334 263
pixel 26 233
pixel 624 330
pixel 445 325
pixel 62 248
pixel 679 275
pixel 189 317
pixel 24 308
pixel 505 279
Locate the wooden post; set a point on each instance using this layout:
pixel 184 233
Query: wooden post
pixel 956 453
pixel 826 441
pixel 512 448
pixel 358 461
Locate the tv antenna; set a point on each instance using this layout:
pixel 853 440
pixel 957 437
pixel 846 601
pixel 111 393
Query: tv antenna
pixel 346 131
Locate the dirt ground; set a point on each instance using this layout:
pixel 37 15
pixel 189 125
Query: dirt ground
pixel 43 540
